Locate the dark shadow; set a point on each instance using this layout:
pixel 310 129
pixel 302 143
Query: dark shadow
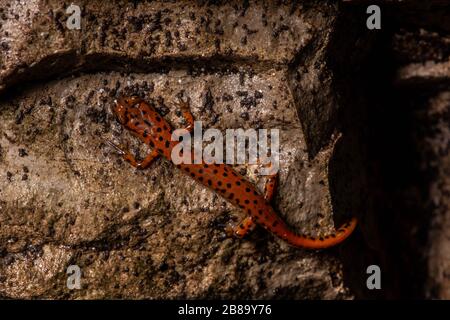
pixel 375 172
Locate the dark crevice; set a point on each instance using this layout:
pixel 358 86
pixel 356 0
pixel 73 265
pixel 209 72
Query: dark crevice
pixel 72 63
pixel 377 171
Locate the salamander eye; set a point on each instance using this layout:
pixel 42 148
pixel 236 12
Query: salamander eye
pixel 132 101
pixel 120 111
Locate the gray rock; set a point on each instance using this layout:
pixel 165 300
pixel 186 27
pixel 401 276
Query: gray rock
pixel 67 198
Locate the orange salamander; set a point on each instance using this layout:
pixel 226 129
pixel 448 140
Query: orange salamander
pixel 145 123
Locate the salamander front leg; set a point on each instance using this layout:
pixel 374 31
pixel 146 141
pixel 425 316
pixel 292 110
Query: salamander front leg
pixel 127 156
pixel 187 115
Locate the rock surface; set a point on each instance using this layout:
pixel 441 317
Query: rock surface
pixel 67 198
pixel 364 121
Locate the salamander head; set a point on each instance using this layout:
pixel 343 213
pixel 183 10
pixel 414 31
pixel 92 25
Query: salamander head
pixel 125 110
pixel 141 118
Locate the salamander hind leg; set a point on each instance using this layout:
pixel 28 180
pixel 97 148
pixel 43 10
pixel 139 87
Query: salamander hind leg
pixel 242 229
pixel 270 187
pixel 306 241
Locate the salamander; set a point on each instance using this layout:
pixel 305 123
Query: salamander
pixel 144 122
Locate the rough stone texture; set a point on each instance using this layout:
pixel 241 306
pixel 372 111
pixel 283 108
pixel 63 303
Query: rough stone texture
pixel 67 198
pixel 364 119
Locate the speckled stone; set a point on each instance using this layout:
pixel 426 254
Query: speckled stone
pixel 67 198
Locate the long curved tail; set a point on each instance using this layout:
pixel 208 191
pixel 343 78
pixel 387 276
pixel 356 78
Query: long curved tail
pixel 308 242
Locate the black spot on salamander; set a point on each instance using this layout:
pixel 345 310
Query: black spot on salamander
pixel 249 211
pixel 246 201
pixel 200 179
pixel 193 175
pixel 215 171
pixel 152 144
pixel 158 129
pixel 260 212
pixel 241 206
pixel 205 165
pixel 158 119
pixel 167 144
pixel 234 173
pixel 225 174
pixel 241 226
pixel 217 165
pixel 209 182
pixel 228 185
pixel 145 134
pixel 238 183
pixel 165 127
pixel 321 239
pixel 247 189
pixel 200 171
pixel 231 196
pixel 160 150
pixel 187 170
pixel 255 201
pixel 147 122
pixel 160 138
pixel 255 193
pixel 219 183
